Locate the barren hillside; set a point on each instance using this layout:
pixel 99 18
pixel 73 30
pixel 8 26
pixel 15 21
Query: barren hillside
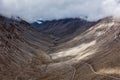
pixel 92 54
pixel 20 49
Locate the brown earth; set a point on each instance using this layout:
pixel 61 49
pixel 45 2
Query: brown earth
pixel 26 54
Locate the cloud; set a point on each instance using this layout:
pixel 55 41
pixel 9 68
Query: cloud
pixel 32 10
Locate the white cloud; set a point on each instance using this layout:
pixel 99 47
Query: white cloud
pixel 32 10
pixel 111 7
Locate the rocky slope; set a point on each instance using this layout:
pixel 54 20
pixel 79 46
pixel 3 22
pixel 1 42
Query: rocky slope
pixel 27 54
pixel 94 54
pixel 21 49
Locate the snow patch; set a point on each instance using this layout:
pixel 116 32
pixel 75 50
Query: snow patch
pixel 39 22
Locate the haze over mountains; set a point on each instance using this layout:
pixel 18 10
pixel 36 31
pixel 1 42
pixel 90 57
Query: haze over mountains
pixel 65 49
pixel 48 10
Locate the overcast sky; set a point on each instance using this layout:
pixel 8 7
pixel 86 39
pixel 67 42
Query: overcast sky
pixel 32 10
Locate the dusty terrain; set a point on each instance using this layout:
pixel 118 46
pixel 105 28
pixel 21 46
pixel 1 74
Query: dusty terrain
pixel 27 54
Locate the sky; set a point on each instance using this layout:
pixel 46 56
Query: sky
pixel 32 10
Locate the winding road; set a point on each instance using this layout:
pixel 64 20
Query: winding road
pixel 97 73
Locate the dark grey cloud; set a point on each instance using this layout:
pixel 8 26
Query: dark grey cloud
pixel 32 10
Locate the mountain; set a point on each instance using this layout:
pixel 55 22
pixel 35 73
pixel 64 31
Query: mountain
pixel 21 48
pixel 94 54
pixel 63 28
pixel 90 52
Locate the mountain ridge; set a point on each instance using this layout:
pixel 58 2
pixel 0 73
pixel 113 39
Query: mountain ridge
pixel 64 29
